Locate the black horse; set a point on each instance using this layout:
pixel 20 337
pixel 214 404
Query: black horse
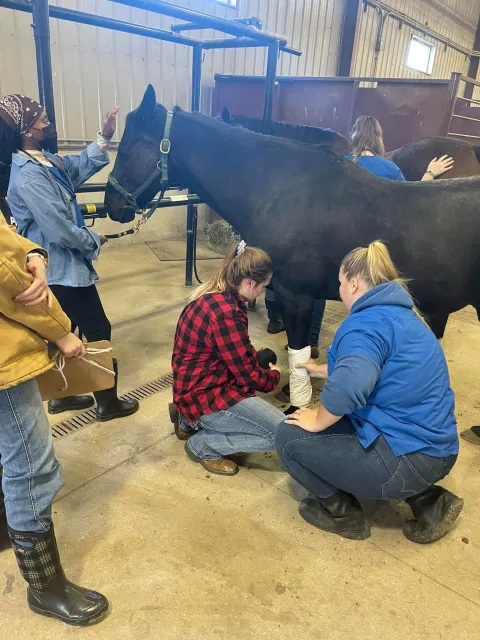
pixel 308 207
pixel 300 132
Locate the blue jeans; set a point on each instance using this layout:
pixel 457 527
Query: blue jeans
pixel 246 427
pixel 334 459
pixel 31 473
pixel 317 314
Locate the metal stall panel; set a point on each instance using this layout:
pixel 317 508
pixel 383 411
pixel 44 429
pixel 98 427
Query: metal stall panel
pixel 245 96
pixel 407 110
pixel 320 102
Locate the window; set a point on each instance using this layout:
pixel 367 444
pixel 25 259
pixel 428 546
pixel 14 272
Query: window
pixel 229 3
pixel 421 55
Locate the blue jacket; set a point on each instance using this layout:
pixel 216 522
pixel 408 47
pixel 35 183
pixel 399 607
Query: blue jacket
pixel 45 214
pixel 388 374
pixel 381 167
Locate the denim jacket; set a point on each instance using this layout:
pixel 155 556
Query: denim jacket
pixel 45 214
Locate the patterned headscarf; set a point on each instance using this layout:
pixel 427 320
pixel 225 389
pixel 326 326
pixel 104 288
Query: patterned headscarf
pixel 19 112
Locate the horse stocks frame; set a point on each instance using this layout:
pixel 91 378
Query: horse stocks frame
pixel 243 32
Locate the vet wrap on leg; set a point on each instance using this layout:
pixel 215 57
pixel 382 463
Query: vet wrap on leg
pixel 300 385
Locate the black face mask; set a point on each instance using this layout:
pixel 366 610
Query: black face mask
pixel 49 142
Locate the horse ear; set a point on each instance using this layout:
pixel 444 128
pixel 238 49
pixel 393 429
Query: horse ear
pixel 149 100
pixel 226 117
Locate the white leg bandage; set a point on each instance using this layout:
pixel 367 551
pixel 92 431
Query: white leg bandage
pixel 300 385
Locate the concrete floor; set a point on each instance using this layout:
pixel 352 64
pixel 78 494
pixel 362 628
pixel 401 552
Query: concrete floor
pixel 185 555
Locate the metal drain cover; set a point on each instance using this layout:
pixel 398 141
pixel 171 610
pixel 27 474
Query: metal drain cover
pixel 85 418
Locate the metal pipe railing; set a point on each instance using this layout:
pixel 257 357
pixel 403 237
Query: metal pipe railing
pixel 203 19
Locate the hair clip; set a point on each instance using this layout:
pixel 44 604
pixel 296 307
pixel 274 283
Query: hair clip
pixel 241 247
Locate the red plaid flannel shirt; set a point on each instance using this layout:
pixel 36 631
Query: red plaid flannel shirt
pixel 214 364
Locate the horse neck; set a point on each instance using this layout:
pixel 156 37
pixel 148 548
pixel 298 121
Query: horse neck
pixel 218 163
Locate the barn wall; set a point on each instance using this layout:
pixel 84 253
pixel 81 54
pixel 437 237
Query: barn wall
pixel 455 19
pixel 95 68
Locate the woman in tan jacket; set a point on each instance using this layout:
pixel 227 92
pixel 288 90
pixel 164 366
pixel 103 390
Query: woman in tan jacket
pixel 29 316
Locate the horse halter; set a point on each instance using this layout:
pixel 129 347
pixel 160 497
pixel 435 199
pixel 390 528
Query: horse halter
pixel 161 171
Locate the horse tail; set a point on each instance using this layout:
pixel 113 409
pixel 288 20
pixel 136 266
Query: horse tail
pixel 476 148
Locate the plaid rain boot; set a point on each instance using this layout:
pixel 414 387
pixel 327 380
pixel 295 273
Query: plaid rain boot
pixel 49 591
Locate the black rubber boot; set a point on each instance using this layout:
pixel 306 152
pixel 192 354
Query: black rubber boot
pixel 70 403
pixel 435 511
pixel 109 405
pixel 5 542
pixel 340 514
pixel 49 591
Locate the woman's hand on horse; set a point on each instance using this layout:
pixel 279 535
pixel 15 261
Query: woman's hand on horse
pixel 110 122
pixel 314 370
pixel 306 419
pixel 38 291
pixel 275 367
pixel 439 166
pixel 71 346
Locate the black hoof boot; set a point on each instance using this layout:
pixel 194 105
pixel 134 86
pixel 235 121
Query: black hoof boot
pixel 109 405
pixel 435 511
pixel 49 592
pixel 70 403
pixel 340 514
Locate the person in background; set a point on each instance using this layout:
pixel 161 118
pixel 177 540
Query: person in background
pixel 216 371
pixel 386 427
pixel 366 142
pixel 41 196
pixel 31 478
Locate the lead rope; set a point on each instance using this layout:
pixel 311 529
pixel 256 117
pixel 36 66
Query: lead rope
pixel 59 363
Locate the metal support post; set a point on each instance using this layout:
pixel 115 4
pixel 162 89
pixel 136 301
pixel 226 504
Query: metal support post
pixel 272 58
pixel 192 209
pixel 41 31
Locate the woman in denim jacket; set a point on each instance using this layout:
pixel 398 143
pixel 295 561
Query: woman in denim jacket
pixel 41 196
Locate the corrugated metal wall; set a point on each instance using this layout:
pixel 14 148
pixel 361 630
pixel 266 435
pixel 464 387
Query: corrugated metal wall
pixel 455 19
pixel 94 68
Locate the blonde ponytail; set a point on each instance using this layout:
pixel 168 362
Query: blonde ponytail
pixel 240 262
pixel 374 266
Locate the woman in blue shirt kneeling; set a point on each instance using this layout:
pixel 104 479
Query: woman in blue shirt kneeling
pixel 366 141
pixel 386 426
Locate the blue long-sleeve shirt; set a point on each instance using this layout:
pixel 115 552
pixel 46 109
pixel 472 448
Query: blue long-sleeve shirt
pixel 388 374
pixel 380 167
pixel 45 213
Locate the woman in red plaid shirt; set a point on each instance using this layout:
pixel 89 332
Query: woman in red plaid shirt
pixel 216 372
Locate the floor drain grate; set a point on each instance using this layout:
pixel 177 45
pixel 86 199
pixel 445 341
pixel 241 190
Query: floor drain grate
pixel 85 418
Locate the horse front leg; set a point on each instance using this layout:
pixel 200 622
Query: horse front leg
pixel 296 311
pixel 437 324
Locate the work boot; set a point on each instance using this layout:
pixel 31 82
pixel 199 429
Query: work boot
pixel 109 405
pixel 435 511
pixel 340 514
pixel 472 435
pixel 275 326
pixel 49 592
pixel 70 403
pixel 182 434
pixel 220 466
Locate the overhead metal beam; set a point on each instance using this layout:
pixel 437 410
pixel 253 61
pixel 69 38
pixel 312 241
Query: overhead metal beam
pixel 241 43
pixel 192 26
pixel 203 19
pixel 71 15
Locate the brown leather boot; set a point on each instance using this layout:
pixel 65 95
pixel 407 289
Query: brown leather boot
pixel 181 434
pixel 220 466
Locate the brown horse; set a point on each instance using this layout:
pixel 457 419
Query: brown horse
pixel 413 158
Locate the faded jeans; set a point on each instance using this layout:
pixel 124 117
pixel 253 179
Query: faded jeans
pixel 334 459
pixel 246 427
pixel 31 473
